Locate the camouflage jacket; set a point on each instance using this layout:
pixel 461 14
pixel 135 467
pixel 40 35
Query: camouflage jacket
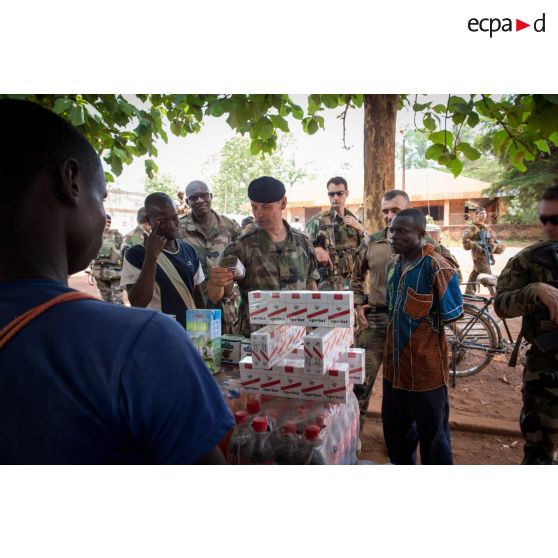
pixel 287 266
pixel 472 236
pixel 340 240
pixel 132 238
pixel 109 254
pixel 516 289
pixel 373 256
pixel 209 247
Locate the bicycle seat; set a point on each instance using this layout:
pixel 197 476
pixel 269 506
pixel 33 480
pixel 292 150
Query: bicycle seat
pixel 487 280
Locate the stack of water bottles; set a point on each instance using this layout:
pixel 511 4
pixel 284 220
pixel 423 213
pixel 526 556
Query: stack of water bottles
pixel 283 432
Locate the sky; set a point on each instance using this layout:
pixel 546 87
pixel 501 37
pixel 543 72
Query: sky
pixel 323 152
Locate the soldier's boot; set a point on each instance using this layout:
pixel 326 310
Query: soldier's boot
pixel 471 288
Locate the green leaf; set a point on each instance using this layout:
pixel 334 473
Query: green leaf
pixel 298 113
pixel 428 122
pixel 255 146
pixel 468 150
pixel 440 109
pixel 151 168
pixel 61 105
pixel 554 138
pixel 442 136
pixel 435 151
pixel 501 139
pixel 444 159
pixel 458 118
pixel 280 123
pixel 77 115
pixel 419 107
pixel 330 101
pixel 473 119
pixel 264 128
pixel 542 146
pixel 455 165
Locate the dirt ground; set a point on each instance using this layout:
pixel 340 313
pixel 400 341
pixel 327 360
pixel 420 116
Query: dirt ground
pixel 484 408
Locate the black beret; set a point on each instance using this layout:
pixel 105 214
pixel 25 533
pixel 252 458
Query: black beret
pixel 266 190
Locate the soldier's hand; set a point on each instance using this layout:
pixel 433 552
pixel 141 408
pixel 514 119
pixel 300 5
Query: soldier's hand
pixel 220 276
pixel 352 222
pixel 323 257
pixel 154 243
pixel 548 295
pixel 361 318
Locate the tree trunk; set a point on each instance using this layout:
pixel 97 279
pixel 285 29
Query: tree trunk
pixel 380 113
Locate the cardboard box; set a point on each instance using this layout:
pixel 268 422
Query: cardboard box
pixel 250 380
pixel 271 344
pixel 270 384
pixel 291 384
pixel 318 309
pixel 277 307
pixel 257 306
pixel 341 309
pixel 297 307
pixel 355 358
pixel 204 321
pixel 209 349
pixel 323 347
pixel 337 383
pixel 313 386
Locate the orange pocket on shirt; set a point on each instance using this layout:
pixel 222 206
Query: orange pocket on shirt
pixel 417 305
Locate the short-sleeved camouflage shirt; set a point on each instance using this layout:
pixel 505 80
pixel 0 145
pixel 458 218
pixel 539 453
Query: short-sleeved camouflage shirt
pixel 288 265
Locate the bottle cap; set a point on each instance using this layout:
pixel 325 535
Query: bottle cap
pixel 240 416
pixel 289 428
pixel 312 432
pixel 259 424
pixel 253 406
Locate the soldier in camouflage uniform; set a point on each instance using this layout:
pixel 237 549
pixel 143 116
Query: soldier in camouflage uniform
pixel 275 256
pixel 210 233
pixel 136 236
pixel 471 241
pixel 528 287
pixel 435 233
pixel 106 267
pixel 370 269
pixel 336 235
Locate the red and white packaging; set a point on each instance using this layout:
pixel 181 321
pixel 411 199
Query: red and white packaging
pixel 271 344
pixel 291 380
pixel 337 383
pixel 341 309
pixel 257 306
pixel 313 386
pixel 250 379
pixel 318 308
pixel 277 307
pixel 297 307
pixel 270 384
pixel 324 346
pixel 355 358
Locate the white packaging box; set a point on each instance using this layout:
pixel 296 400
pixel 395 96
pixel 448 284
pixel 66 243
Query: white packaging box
pixel 337 383
pixel 324 346
pixel 313 386
pixel 355 358
pixel 231 350
pixel 257 306
pixel 270 384
pixel 297 352
pixel 318 309
pixel 289 366
pixel 277 307
pixel 341 309
pixel 271 344
pixel 291 383
pixel 245 348
pixel 250 380
pixel 297 307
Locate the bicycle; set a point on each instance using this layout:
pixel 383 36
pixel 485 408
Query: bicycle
pixel 476 337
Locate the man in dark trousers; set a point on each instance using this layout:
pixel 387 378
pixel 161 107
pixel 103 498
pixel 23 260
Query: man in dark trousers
pixel 82 381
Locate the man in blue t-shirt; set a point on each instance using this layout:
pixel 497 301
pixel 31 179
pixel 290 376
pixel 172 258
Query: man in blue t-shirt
pixel 172 289
pixel 84 382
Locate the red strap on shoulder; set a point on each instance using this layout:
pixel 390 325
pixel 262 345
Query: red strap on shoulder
pixel 21 321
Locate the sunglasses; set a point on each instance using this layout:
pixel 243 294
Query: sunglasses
pixel 192 199
pixel 340 193
pixel 552 219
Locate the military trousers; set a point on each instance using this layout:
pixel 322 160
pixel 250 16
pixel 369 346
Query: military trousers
pixel 479 266
pixel 539 415
pixel 373 340
pixel 111 291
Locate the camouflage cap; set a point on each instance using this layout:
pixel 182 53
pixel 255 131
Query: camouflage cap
pixel 266 190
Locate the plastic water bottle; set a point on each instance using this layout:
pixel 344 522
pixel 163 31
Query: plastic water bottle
pixel 314 444
pixel 288 452
pixel 238 451
pixel 262 448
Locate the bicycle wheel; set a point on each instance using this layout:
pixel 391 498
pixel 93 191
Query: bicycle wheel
pixel 474 340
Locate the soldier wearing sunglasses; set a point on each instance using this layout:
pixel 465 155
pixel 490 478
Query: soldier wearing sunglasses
pixel 336 234
pixel 528 287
